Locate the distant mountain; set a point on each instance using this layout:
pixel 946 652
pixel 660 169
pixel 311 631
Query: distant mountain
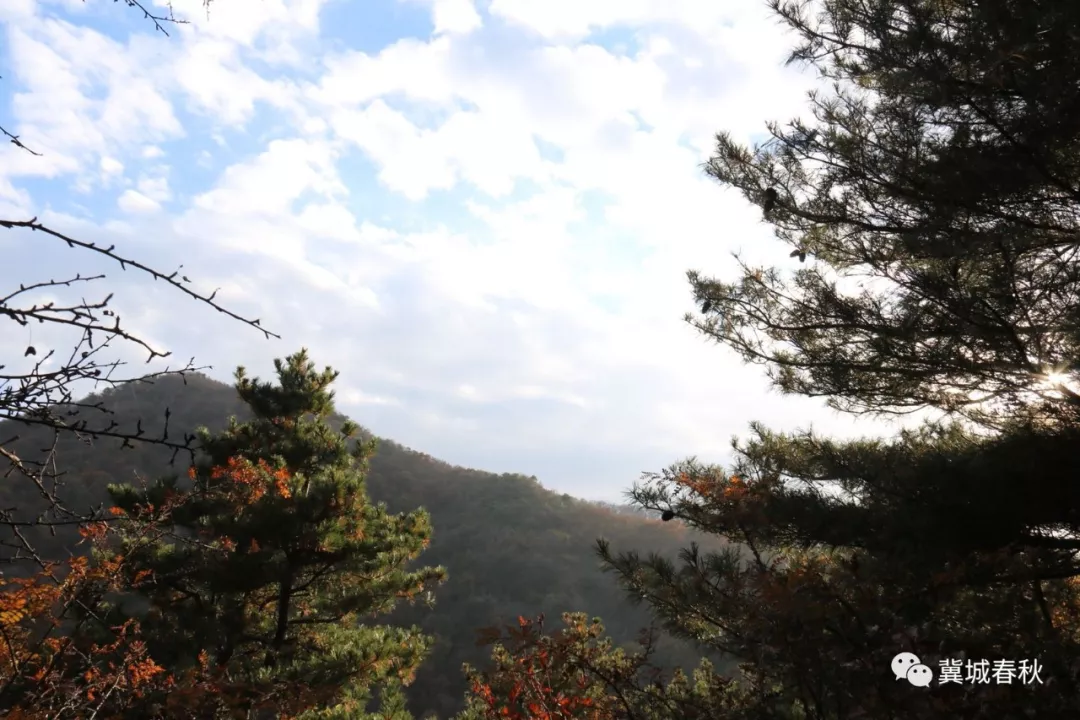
pixel 511 546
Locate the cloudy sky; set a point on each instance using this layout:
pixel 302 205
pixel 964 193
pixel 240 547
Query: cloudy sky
pixel 480 212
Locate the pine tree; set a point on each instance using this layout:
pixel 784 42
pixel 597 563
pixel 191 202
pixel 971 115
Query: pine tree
pixel 936 197
pixel 277 563
pixel 937 193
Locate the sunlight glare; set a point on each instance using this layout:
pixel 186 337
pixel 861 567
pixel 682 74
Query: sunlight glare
pixel 1055 379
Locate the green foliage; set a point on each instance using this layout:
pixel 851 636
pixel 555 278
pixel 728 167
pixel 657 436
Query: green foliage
pixel 937 192
pixel 278 561
pixel 511 547
pixel 936 199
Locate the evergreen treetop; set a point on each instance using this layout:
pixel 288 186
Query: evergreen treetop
pixel 278 560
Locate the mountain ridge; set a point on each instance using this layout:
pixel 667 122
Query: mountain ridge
pixel 512 546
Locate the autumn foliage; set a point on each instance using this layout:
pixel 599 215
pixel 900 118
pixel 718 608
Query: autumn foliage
pixel 248 586
pixel 546 677
pixel 62 653
pixel 576 673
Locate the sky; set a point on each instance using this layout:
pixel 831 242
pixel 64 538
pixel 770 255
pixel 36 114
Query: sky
pixel 480 212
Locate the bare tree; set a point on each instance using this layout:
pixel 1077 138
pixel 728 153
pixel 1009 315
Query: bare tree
pixel 45 393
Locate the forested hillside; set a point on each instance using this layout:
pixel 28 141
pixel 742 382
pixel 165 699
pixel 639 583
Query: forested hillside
pixel 511 546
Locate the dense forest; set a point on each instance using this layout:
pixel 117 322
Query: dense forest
pixel 510 546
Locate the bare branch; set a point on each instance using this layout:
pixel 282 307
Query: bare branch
pixel 125 262
pixel 17 142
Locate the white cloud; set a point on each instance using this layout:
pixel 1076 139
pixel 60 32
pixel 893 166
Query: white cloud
pixel 455 16
pixel 111 166
pixel 488 152
pixel 355 77
pixel 155 188
pixel 274 180
pixel 505 290
pixel 568 19
pixel 245 22
pixel 217 83
pixel 135 202
pixel 359 397
pixel 13 201
pixel 17 10
pixel 86 97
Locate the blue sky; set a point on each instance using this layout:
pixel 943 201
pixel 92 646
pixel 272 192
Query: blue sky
pixel 481 213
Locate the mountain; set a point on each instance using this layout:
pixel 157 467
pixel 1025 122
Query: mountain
pixel 511 546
